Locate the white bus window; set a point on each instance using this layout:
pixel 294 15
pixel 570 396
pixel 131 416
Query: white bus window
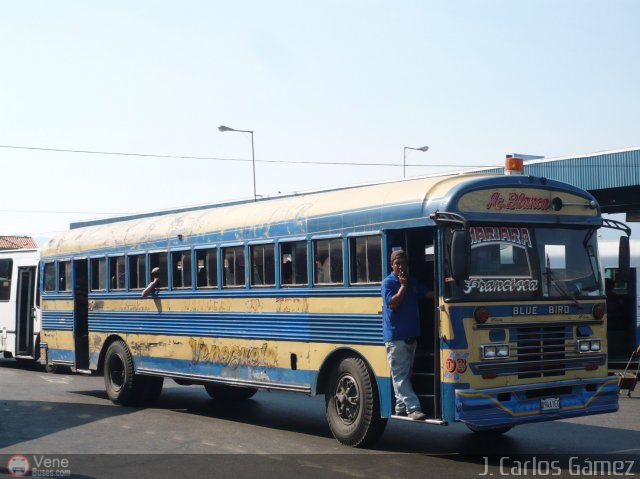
pixel 327 258
pixel 137 268
pixel 365 255
pixel 293 264
pixel 233 266
pixel 117 273
pixel 207 268
pixel 98 274
pixel 159 260
pixel 6 267
pixel 181 269
pixel 64 276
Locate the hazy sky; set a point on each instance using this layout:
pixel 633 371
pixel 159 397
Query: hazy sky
pixel 339 81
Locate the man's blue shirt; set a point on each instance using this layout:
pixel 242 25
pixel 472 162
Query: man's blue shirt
pixel 404 321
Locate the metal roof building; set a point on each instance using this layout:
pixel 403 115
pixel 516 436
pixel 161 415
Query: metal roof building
pixel 613 177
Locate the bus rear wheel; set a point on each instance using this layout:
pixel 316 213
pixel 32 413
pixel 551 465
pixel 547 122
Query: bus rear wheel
pixel 226 393
pixel 353 406
pixel 123 386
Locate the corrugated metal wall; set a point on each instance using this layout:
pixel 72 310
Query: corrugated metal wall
pixel 592 172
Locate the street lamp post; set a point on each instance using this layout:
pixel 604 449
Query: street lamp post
pixel 404 160
pixel 222 129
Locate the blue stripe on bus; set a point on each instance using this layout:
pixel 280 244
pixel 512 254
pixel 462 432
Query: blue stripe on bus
pixel 57 320
pixel 355 329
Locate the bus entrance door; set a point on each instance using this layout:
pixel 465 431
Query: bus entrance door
pixel 25 311
pixel 419 243
pixel 81 314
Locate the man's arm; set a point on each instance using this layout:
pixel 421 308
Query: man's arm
pixel 149 289
pixel 398 297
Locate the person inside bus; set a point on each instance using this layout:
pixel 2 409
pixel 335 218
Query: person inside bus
pixel 401 296
pixel 154 284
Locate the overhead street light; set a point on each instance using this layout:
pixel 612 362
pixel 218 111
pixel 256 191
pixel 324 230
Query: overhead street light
pixel 222 129
pixel 404 160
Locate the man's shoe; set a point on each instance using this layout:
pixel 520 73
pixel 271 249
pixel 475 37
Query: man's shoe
pixel 417 415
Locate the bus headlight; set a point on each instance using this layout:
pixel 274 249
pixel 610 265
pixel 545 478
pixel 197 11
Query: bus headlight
pixel 493 351
pixel 589 345
pixel 503 351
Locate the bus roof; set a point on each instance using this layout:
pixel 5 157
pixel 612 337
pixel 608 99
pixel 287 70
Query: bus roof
pixel 323 212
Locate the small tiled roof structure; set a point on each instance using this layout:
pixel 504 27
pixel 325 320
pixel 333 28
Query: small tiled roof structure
pixel 17 242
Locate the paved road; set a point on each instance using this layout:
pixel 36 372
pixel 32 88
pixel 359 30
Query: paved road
pixel 69 415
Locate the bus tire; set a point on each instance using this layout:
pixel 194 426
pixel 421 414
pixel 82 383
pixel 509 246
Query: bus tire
pixel 496 431
pixel 226 393
pixel 123 386
pixel 353 405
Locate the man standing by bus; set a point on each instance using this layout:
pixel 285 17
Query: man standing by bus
pixel 401 329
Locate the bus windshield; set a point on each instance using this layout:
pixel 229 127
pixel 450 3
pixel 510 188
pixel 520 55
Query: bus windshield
pixel 508 263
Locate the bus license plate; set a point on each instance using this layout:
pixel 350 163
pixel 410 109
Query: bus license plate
pixel 549 404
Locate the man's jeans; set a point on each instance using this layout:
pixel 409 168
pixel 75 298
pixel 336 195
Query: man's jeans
pixel 400 354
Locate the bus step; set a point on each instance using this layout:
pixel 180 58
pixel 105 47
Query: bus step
pixel 439 422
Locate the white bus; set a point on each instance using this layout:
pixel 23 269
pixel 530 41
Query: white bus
pixel 19 304
pixel 623 327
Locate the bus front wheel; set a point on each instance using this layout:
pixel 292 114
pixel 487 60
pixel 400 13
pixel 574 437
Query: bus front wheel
pixel 122 384
pixel 353 406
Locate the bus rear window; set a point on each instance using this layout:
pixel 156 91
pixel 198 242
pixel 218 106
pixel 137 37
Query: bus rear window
pixel 327 256
pixel 293 264
pixel 365 255
pixel 181 269
pixel 233 266
pixel 263 266
pixel 98 274
pixel 137 268
pixel 207 268
pixel 64 276
pixel 159 260
pixel 49 277
pixel 117 273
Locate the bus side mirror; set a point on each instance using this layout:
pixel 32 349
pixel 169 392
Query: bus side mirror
pixel 459 263
pixel 624 258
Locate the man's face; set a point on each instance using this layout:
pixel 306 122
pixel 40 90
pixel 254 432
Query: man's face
pixel 400 266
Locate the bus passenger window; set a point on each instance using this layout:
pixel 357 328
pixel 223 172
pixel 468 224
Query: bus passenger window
pixel 6 267
pixel 137 269
pixel 181 268
pixel 49 277
pixel 159 260
pixel 117 273
pixel 365 255
pixel 64 279
pixel 293 263
pixel 263 272
pixel 233 266
pixel 98 274
pixel 327 259
pixel 207 268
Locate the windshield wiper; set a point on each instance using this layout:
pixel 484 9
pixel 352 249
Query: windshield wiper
pixel 551 278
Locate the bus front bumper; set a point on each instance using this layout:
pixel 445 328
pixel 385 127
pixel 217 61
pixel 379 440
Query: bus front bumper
pixel 483 409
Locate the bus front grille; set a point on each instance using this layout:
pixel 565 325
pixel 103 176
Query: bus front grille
pixel 540 351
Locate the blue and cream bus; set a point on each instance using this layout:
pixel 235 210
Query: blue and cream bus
pixel 284 294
